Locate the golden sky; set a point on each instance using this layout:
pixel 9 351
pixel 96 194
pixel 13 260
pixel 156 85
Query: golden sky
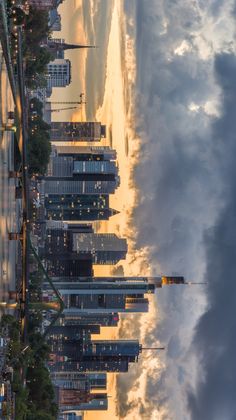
pixel 120 74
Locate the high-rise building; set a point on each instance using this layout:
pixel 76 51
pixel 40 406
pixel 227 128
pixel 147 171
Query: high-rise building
pixel 58 250
pixel 74 399
pixel 108 348
pixel 86 153
pixel 77 131
pixel 88 381
pixel 95 356
pixel 58 73
pixel 113 364
pixel 70 243
pixel 108 294
pixel 105 248
pixel 70 415
pixel 97 380
pixel 103 319
pixel 74 265
pixel 72 331
pixel 55 21
pixel 73 207
pixel 69 186
pixel 83 170
pixel 85 382
pixel 68 175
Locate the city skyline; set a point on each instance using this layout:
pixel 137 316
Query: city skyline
pixel 118 209
pixel 184 48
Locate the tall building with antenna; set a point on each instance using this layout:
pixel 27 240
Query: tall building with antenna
pixel 95 356
pixel 109 294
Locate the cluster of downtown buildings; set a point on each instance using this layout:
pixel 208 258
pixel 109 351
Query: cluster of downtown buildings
pixel 72 195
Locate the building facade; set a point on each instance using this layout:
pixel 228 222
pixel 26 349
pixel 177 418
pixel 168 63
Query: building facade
pixel 77 131
pixel 58 73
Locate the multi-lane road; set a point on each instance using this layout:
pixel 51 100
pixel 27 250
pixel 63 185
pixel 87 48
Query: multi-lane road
pixel 17 87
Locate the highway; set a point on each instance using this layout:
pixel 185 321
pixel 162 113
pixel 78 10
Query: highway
pixel 21 111
pixel 18 92
pixel 23 138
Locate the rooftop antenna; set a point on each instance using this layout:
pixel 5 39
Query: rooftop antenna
pixel 191 283
pixel 153 348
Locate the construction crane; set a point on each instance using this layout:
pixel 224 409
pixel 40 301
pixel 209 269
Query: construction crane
pixel 80 102
pixel 63 109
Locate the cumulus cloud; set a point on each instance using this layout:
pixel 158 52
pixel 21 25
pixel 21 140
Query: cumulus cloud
pixel 215 337
pixel 185 118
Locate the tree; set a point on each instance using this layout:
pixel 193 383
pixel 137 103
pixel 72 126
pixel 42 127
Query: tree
pixel 39 149
pixel 37 63
pixel 36 28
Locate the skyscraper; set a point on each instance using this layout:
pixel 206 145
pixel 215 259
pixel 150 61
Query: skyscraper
pixel 68 166
pixel 75 380
pixel 58 250
pixel 70 332
pixel 69 207
pixel 86 152
pixel 95 356
pixel 109 294
pixel 73 242
pixel 105 248
pixel 80 175
pixel 77 131
pixel 74 399
pixel 103 319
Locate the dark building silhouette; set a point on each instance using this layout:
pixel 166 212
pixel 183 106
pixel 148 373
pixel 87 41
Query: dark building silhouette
pixel 78 207
pixel 94 356
pixel 75 242
pixel 77 131
pixel 103 319
pixel 58 46
pixel 58 251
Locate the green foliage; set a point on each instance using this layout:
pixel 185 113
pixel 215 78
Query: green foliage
pixel 37 57
pixel 34 401
pixel 39 385
pixel 36 28
pixel 7 320
pixel 36 106
pixel 36 64
pixel 39 146
pixel 39 150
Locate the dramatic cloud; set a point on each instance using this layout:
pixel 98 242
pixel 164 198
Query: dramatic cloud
pixel 185 117
pixel 215 338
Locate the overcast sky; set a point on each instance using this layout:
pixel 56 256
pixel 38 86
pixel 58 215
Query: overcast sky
pixel 180 85
pixel 185 117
